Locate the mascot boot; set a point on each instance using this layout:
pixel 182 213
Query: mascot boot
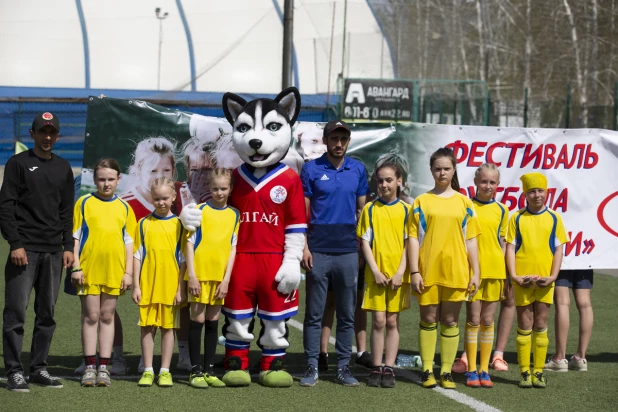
pixel 276 377
pixel 236 377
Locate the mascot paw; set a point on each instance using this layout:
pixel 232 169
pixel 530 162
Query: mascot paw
pixel 288 277
pixel 237 378
pixel 191 217
pixel 276 379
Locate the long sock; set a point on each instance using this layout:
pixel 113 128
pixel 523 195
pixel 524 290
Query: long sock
pixel 487 342
pixel 524 342
pixel 195 344
pixel 540 349
pixel 449 341
pixel 118 351
pixel 471 344
pixel 183 349
pixel 427 339
pixel 210 344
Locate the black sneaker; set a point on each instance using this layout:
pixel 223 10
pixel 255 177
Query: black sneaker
pixel 375 377
pixel 364 360
pixel 43 378
pixel 388 378
pixel 323 362
pixel 17 383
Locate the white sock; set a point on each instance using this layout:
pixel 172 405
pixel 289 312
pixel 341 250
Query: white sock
pixel 102 366
pixel 183 349
pixel 149 369
pixel 118 351
pixel 163 370
pixel 359 354
pixel 498 353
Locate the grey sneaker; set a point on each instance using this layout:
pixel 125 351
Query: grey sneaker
pixel 43 378
pixel 578 364
pixel 103 378
pixel 89 378
pixel 17 383
pixel 119 366
pixel 81 369
pixel 310 378
pixel 345 377
pixel 557 365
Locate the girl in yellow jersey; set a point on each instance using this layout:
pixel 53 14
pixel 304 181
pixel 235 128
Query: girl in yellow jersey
pixel 383 231
pixel 211 251
pixel 103 226
pixel 535 242
pixel 493 218
pixel 443 256
pixel 158 290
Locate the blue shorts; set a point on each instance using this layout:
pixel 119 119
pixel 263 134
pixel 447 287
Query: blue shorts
pixel 575 279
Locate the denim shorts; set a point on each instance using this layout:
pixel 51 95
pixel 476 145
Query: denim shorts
pixel 575 279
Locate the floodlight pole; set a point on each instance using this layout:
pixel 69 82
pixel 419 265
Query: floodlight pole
pixel 288 40
pixel 161 17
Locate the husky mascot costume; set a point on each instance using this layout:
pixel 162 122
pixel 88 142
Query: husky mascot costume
pixel 270 200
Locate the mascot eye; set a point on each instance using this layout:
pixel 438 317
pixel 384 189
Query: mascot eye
pixel 273 127
pixel 243 128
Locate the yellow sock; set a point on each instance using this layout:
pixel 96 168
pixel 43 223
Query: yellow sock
pixel 487 343
pixel 524 342
pixel 449 341
pixel 471 345
pixel 427 338
pixel 540 349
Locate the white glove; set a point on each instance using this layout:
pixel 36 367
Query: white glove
pixel 191 217
pixel 288 274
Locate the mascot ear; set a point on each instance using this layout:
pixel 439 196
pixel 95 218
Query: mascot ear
pixel 232 106
pixel 289 100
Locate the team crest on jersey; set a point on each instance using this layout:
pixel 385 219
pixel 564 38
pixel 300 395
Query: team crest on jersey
pixel 47 116
pixel 278 194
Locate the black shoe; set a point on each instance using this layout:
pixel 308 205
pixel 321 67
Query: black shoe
pixel 375 377
pixel 17 383
pixel 323 362
pixel 364 360
pixel 43 378
pixel 388 378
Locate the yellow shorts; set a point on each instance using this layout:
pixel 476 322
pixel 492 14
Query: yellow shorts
pixel 384 299
pixel 490 290
pixel 434 294
pixel 160 315
pixel 207 294
pixel 527 296
pixel 97 290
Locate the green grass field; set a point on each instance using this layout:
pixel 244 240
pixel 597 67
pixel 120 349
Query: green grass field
pixel 566 392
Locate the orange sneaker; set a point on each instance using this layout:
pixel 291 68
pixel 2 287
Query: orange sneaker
pixel 461 364
pixel 499 364
pixel 486 380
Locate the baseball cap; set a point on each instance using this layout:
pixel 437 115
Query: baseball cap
pixel 45 119
pixel 335 125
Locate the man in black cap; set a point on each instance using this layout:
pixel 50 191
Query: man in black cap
pixel 36 218
pixel 335 187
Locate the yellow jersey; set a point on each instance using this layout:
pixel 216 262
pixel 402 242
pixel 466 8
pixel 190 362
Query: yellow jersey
pixel 442 225
pixel 493 219
pixel 536 237
pixel 385 227
pixel 103 229
pixel 213 241
pixel 158 243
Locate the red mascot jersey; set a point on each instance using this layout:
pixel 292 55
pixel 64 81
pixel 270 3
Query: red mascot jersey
pixel 269 208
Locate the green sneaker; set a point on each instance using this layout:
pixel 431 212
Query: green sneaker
pixel 525 381
pixel 213 381
pixel 539 381
pixel 147 379
pixel 165 380
pixel 196 380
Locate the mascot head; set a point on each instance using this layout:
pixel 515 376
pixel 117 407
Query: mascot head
pixel 262 128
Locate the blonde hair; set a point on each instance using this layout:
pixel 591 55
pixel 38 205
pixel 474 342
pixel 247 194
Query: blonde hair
pixel 149 152
pixel 163 182
pixel 220 172
pixel 487 166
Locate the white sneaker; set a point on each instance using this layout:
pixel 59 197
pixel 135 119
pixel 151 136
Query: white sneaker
pixel 81 369
pixel 184 364
pixel 557 365
pixel 119 366
pixel 578 364
pixel 140 367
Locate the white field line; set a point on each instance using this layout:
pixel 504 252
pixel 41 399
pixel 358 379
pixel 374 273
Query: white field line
pixel 415 377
